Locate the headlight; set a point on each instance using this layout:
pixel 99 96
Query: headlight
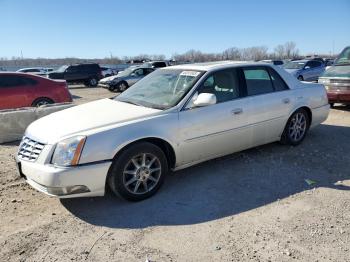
pixel 68 151
pixel 324 80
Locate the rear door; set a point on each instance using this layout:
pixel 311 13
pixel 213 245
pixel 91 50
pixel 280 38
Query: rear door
pixel 15 91
pixel 268 103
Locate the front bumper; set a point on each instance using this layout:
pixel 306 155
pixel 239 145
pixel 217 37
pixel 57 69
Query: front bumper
pixel 105 85
pixel 80 181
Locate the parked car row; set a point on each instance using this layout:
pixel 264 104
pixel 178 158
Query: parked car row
pixel 25 90
pixel 336 79
pixel 43 71
pixel 305 70
pixel 173 118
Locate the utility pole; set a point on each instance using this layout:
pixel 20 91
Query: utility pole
pixel 21 55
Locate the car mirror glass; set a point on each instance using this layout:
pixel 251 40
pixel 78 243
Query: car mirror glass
pixel 204 99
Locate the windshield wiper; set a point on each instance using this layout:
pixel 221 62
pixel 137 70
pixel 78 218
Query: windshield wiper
pixel 130 102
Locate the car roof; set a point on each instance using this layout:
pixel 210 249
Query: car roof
pixel 301 60
pixel 210 66
pixel 23 74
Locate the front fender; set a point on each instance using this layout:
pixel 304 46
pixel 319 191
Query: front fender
pixel 104 145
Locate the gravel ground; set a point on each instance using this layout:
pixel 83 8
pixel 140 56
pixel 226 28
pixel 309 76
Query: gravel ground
pixel 249 206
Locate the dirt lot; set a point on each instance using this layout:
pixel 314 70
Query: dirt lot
pixel 254 205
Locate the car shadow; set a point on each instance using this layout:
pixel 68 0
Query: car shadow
pixel 229 185
pixel 341 107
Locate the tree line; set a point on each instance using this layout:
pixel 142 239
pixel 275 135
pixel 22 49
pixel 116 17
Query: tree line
pixel 283 51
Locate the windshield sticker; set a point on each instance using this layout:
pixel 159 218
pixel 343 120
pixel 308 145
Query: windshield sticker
pixel 190 73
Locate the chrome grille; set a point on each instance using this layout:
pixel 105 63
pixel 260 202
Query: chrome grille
pixel 340 81
pixel 29 149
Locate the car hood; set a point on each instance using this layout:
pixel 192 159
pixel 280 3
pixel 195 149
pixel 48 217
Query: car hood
pixel 55 74
pixel 337 71
pixel 110 78
pixel 84 119
pixel 292 71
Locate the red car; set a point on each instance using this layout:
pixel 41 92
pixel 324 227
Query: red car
pixel 23 90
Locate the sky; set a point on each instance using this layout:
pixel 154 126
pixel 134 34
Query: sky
pixel 98 29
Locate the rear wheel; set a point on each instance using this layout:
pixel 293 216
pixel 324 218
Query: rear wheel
pixel 42 101
pixel 332 105
pixel 296 128
pixel 93 82
pixel 300 78
pixel 138 172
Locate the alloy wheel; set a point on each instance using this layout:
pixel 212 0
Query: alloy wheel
pixel 142 173
pixel 297 127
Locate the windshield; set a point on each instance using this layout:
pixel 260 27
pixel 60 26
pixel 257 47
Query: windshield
pixel 161 89
pixel 126 72
pixel 62 68
pixel 294 65
pixel 343 58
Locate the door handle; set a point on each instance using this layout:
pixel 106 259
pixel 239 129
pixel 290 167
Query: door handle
pixel 237 111
pixel 286 101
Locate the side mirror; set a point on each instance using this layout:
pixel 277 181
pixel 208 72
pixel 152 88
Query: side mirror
pixel 133 74
pixel 204 99
pixel 307 67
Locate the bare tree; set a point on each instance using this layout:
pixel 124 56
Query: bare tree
pixel 279 52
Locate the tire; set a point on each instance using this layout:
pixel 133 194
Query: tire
pixel 92 82
pixel 42 101
pixel 296 128
pixel 300 78
pixel 122 86
pixel 138 172
pixel 331 105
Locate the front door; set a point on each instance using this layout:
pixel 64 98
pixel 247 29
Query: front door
pixel 219 129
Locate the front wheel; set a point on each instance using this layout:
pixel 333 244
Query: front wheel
pixel 122 86
pixel 296 128
pixel 92 82
pixel 138 172
pixel 300 78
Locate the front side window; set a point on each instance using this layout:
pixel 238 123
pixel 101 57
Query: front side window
pixel 223 84
pixel 72 69
pixel 294 65
pixel 162 89
pixel 314 64
pixel 139 72
pixel 258 81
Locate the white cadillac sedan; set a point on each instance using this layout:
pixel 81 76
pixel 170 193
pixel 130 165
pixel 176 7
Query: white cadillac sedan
pixel 173 118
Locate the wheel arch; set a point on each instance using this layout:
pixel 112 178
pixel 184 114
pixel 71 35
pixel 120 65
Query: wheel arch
pixel 164 145
pixel 40 98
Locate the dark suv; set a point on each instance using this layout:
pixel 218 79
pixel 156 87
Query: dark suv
pixel 88 74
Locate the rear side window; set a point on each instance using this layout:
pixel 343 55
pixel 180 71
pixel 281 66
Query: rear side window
pixel 277 81
pixel 148 70
pixel 258 81
pixel 159 64
pixel 277 62
pixel 15 81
